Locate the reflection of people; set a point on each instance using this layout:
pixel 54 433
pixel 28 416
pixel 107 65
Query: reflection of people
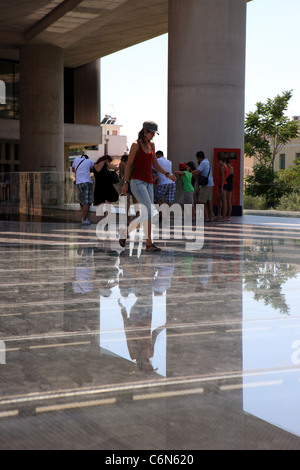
pixel 164 266
pixel 83 282
pixel 140 161
pixel 137 318
pixel 82 167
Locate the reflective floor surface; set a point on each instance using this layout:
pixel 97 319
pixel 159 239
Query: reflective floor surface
pixel 103 349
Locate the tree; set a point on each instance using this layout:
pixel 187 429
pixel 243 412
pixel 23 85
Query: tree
pixel 267 131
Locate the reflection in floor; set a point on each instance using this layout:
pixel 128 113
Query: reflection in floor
pixel 102 348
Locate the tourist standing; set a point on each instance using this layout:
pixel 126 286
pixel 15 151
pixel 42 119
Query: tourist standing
pixel 82 167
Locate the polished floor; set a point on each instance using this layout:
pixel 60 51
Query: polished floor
pixel 179 350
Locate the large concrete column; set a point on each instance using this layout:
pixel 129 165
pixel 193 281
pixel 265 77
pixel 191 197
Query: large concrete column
pixel 42 108
pixel 207 42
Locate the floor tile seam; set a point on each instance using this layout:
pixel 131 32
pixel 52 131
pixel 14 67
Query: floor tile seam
pixel 39 243
pixel 245 327
pixel 220 228
pixel 149 278
pixel 245 232
pixel 133 387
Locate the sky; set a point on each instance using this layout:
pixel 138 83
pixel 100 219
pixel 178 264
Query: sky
pixel 134 82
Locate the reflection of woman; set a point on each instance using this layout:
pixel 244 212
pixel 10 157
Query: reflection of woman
pixel 104 189
pixel 141 159
pixel 140 334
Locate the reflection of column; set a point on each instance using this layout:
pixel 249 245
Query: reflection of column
pixel 206 76
pixel 42 108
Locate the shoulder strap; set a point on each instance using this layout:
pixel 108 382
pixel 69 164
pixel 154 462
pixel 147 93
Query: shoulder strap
pixel 79 165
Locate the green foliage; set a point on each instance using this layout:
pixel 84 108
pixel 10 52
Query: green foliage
pixel 254 202
pixel 267 183
pixel 291 177
pixel 267 130
pixel 290 202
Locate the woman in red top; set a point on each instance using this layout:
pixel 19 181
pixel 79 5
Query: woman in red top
pixel 141 159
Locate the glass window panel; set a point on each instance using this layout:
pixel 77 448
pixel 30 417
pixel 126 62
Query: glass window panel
pixel 9 90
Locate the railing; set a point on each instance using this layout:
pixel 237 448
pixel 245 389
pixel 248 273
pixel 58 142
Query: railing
pixel 31 193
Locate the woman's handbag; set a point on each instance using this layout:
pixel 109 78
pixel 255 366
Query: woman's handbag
pixel 114 177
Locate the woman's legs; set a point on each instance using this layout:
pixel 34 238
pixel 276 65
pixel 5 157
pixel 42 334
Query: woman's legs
pixel 143 192
pixel 224 204
pixel 229 204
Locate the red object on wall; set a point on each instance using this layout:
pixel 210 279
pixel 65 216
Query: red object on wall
pixel 235 159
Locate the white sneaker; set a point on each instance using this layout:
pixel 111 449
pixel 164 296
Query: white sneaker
pixel 85 222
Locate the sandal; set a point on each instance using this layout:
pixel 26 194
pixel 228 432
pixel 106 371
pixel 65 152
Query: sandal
pixel 152 248
pixel 122 241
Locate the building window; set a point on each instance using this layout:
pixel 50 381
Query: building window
pixel 297 156
pixel 7 151
pixel 9 90
pixel 114 132
pixel 282 161
pixel 2 92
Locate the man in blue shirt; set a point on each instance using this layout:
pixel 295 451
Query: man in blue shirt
pixel 205 192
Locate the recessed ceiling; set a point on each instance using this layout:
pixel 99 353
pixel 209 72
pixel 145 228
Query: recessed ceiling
pixel 85 29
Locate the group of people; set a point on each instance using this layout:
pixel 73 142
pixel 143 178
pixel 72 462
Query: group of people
pixel 198 185
pixel 147 177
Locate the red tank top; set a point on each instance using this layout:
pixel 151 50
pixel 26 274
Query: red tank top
pixel 226 171
pixel 143 166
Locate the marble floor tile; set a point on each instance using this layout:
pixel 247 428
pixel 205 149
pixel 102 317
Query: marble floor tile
pixel 111 349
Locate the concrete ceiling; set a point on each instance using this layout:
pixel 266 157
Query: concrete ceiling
pixel 86 29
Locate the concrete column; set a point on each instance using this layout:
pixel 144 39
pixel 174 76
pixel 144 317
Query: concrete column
pixel 42 108
pixel 87 94
pixel 207 41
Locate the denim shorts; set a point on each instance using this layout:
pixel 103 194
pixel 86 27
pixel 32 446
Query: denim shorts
pixel 143 192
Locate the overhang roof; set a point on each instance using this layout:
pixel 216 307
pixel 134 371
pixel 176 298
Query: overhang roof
pixel 85 29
